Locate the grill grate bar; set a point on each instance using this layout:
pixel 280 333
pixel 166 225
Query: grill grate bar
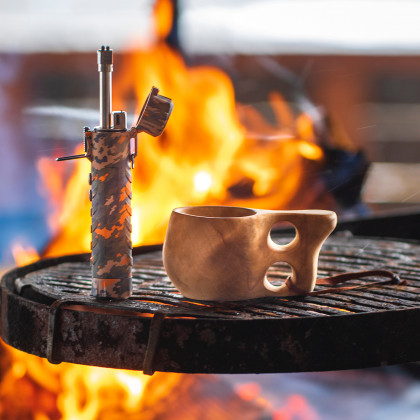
pixel 152 290
pixel 386 299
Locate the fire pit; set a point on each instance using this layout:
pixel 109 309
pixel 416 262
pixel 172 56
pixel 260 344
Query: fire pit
pixel 46 310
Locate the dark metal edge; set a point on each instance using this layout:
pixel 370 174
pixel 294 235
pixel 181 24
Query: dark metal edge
pixel 212 346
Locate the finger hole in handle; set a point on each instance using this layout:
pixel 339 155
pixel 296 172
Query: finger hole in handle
pixel 276 275
pixel 282 233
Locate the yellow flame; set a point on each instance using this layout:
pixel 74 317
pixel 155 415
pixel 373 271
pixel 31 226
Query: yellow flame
pixel 202 181
pixel 24 255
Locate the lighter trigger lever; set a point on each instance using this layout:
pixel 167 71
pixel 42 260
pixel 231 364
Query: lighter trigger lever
pixel 82 155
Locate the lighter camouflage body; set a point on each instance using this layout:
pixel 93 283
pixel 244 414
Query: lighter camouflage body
pixel 111 214
pixel 109 149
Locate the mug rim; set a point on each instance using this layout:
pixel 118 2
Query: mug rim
pixel 248 212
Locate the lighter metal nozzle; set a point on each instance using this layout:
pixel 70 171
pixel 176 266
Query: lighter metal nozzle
pixel 105 68
pixel 105 59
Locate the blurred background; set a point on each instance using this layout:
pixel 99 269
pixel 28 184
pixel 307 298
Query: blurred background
pixel 351 68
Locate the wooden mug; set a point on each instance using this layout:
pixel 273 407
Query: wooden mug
pixel 223 253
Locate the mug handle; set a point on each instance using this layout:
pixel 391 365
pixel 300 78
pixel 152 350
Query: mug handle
pixel 312 228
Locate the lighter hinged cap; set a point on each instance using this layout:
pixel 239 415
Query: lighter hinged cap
pixel 154 114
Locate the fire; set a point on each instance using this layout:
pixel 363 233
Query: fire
pixel 214 151
pixel 33 388
pixel 24 255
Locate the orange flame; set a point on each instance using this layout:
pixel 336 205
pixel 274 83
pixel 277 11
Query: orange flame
pixel 67 391
pixel 24 255
pixel 212 152
pixel 163 15
pixel 32 388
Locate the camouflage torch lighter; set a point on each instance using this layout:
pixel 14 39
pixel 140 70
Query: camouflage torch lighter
pixel 111 148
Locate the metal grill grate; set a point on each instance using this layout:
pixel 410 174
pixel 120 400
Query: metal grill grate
pixel 153 291
pixel 47 310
